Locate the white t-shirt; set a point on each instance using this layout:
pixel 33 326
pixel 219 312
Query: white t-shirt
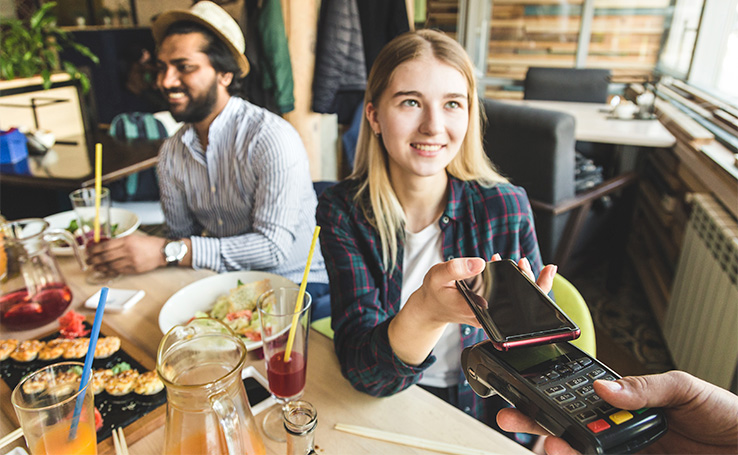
pixel 423 250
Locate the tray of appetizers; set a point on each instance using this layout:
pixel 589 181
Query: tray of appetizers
pixel 128 392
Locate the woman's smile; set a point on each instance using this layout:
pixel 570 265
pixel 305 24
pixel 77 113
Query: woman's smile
pixel 427 150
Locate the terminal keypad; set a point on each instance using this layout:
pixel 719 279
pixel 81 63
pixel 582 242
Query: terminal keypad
pixel 569 384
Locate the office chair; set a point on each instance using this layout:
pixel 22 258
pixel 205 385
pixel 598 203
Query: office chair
pixel 573 304
pixel 534 148
pixel 584 85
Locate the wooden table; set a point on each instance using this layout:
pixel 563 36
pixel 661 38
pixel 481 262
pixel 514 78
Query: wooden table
pixel 594 124
pixel 412 412
pixel 38 186
pixel 71 166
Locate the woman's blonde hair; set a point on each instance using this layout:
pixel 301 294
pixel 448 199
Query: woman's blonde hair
pixel 371 168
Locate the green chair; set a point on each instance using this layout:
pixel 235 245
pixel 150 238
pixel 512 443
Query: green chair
pixel 323 325
pixel 573 304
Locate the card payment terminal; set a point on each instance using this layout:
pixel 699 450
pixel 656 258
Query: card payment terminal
pixel 553 385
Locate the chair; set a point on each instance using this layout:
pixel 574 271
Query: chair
pixel 573 304
pixel 584 85
pixel 320 185
pixel 534 148
pixel 139 192
pixel 323 325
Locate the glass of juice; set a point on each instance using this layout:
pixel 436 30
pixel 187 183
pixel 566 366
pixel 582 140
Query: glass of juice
pixel 45 401
pixel 284 332
pixel 84 204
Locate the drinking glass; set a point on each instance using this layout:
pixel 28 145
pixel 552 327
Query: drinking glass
pixel 83 202
pixel 286 377
pixel 44 402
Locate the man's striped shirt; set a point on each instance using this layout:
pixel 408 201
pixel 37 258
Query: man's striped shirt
pixel 247 202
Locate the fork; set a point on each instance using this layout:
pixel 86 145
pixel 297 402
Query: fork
pixel 119 442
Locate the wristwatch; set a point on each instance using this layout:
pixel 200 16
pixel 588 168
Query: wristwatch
pixel 174 251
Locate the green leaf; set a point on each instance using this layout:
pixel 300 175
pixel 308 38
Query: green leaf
pixel 73 226
pixel 46 76
pixel 84 83
pixel 32 47
pixel 84 50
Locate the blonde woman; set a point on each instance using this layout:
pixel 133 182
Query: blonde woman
pixel 422 193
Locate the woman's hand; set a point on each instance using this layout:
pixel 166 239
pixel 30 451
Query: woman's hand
pixel 545 279
pixel 416 329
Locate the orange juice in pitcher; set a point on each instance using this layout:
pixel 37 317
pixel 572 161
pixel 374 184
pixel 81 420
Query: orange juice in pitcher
pixel 207 408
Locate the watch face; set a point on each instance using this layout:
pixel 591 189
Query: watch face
pixel 173 251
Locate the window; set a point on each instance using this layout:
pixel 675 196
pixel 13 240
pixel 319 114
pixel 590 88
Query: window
pixel 693 40
pixel 714 65
pixel 506 37
pixel 681 36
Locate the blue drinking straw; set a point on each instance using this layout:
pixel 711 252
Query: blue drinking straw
pixel 88 361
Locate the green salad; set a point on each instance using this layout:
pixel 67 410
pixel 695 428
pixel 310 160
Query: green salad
pixel 237 309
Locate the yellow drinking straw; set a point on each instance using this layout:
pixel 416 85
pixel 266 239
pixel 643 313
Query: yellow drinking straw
pixel 300 297
pixel 98 190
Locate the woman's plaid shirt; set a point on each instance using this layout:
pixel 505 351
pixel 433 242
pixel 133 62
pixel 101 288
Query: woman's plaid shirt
pixel 478 221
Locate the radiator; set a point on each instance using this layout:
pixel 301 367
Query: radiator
pixel 701 322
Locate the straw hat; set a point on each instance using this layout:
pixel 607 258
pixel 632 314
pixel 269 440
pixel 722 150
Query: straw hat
pixel 216 19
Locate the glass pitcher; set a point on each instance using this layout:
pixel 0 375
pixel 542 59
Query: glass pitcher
pixel 207 408
pixel 34 292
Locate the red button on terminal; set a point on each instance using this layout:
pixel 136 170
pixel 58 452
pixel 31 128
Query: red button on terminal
pixel 598 425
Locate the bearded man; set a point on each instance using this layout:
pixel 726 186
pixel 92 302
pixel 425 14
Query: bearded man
pixel 235 184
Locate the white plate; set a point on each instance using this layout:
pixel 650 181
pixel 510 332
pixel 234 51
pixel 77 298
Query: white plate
pixel 201 295
pixel 126 220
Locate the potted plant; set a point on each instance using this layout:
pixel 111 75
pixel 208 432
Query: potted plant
pixel 31 48
pixel 123 14
pixel 107 15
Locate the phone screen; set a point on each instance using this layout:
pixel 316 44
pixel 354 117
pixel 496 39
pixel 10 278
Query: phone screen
pixel 255 391
pixel 510 306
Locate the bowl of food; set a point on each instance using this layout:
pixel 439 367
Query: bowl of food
pixel 124 222
pixel 230 297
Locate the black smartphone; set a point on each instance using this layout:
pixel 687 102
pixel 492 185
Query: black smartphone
pixel 257 390
pixel 513 310
pixel 552 384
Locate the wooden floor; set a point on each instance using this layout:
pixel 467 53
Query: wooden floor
pixel 617 357
pixel 629 339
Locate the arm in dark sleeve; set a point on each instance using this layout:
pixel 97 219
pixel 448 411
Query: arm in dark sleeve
pixel 359 317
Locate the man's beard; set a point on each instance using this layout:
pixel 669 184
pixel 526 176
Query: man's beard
pixel 198 108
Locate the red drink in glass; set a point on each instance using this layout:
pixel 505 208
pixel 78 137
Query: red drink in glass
pixel 20 311
pixel 286 379
pixel 90 237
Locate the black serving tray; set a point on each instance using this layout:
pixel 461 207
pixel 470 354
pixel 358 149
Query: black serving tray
pixel 116 411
